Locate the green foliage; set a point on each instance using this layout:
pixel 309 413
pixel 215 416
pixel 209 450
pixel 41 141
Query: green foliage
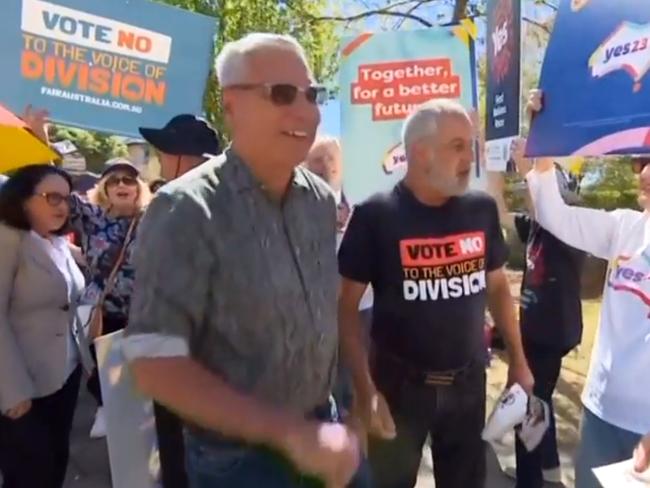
pixel 514 193
pixel 606 183
pixel 517 255
pixel 97 148
pixel 236 18
pixel 609 184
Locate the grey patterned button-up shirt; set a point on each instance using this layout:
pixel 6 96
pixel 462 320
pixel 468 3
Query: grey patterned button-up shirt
pixel 245 286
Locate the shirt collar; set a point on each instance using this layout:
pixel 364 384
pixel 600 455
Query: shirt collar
pixel 244 179
pixel 55 246
pixel 57 242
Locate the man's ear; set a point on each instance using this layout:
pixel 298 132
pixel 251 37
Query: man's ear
pixel 417 152
pixel 227 101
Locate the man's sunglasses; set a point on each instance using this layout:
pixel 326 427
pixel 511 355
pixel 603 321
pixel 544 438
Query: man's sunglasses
pixel 283 94
pixel 54 199
pixel 125 180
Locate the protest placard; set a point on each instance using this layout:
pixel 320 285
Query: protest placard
pixel 383 77
pixel 503 91
pixel 130 424
pixel 595 81
pixel 109 66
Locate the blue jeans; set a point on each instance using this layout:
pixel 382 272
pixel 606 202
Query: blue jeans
pixel 600 444
pixel 229 464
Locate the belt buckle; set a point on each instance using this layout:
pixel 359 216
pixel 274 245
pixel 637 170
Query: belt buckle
pixel 439 379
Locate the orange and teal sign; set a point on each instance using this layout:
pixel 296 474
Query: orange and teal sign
pixel 106 65
pixel 383 77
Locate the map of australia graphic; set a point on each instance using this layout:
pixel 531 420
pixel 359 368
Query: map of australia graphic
pixel 628 49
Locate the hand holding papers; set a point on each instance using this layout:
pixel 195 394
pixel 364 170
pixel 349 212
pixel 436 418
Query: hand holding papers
pixel 516 410
pixel 622 475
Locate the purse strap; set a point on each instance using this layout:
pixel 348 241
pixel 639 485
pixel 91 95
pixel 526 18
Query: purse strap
pixel 112 277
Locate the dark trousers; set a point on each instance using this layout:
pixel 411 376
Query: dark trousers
pixel 453 416
pixel 545 365
pixel 112 323
pixel 35 448
pixel 171 448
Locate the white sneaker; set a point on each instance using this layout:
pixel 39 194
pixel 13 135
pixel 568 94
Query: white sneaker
pixel 553 475
pixel 99 427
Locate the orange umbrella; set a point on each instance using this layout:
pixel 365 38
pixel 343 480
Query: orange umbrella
pixel 18 146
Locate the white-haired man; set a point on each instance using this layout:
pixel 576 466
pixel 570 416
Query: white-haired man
pixel 325 159
pixel 234 319
pixel 434 255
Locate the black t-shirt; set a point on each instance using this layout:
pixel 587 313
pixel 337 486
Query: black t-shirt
pixel 427 266
pixel 550 311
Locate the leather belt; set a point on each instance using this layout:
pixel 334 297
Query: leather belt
pixel 419 375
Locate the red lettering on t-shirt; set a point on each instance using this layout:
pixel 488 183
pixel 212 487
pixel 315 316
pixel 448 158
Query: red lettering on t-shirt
pixel 421 252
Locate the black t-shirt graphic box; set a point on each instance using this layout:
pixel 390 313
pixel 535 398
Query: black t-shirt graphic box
pixel 428 268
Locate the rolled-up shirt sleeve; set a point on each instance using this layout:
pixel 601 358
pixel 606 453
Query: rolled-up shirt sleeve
pixel 173 266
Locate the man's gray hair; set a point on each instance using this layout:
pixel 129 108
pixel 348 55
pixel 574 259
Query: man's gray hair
pixel 324 139
pixel 231 63
pixel 423 121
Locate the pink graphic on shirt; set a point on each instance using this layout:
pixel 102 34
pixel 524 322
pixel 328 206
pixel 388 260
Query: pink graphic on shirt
pixel 536 270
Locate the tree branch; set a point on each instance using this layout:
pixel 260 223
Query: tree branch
pixel 369 13
pixel 460 10
pixel 537 24
pixel 388 11
pixel 400 22
pixel 547 3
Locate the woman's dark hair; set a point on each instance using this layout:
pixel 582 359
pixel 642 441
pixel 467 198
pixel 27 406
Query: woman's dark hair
pixel 19 187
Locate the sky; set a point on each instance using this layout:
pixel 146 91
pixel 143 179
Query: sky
pixel 331 119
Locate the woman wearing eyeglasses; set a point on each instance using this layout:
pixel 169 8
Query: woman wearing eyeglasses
pixel 107 223
pixel 39 366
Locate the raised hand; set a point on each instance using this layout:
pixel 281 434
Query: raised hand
pixel 535 102
pixel 517 150
pixel 37 120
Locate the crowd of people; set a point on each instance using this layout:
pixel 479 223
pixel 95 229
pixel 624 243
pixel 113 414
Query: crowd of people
pixel 290 340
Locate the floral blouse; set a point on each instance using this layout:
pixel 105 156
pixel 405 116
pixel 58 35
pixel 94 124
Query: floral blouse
pixel 101 241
